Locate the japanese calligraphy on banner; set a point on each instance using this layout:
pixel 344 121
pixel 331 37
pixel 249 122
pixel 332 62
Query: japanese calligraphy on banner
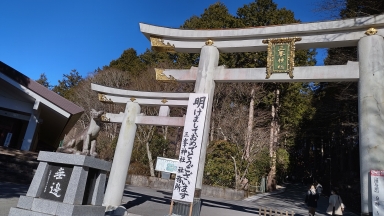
pixel 57 182
pixel 377 189
pixel 185 181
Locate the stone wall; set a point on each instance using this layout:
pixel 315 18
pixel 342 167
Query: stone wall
pixel 167 185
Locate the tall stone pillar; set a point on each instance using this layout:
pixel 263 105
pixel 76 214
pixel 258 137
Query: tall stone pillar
pixel 209 60
pixel 371 113
pixel 122 157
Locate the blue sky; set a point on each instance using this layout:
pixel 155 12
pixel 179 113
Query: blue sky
pixel 54 37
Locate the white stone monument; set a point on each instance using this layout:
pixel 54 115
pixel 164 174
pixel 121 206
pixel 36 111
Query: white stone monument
pixel 65 185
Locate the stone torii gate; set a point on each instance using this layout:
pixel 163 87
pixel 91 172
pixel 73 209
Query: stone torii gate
pixel 130 119
pixel 366 33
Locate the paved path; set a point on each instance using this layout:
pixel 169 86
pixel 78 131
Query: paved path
pixel 9 195
pixel 293 198
pixel 150 202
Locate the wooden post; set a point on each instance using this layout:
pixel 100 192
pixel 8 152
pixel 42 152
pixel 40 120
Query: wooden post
pixel 259 211
pixel 170 210
pixel 286 213
pixel 190 209
pixel 293 213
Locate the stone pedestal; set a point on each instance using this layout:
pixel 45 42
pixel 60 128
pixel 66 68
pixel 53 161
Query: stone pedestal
pixel 65 185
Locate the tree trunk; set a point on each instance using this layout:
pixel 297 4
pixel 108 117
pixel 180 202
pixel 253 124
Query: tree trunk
pixel 149 154
pixel 178 142
pixel 165 132
pixel 275 128
pixel 236 175
pixel 250 125
pixel 272 170
pixel 212 125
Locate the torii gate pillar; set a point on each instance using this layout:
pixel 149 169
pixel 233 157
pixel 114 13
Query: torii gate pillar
pixel 122 157
pixel 209 60
pixel 371 113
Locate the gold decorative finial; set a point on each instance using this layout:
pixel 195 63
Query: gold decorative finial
pixel 164 101
pixel 209 42
pixel 159 45
pixel 132 99
pixel 161 76
pixel 104 99
pixel 104 118
pixel 371 31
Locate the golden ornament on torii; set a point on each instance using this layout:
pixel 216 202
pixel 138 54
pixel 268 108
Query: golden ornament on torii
pixel 162 77
pixel 159 46
pixel 281 55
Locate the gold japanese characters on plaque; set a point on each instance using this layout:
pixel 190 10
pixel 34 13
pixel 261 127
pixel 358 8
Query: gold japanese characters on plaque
pixel 281 55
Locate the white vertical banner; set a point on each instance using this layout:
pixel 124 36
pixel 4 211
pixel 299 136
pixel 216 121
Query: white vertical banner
pixel 377 189
pixel 185 182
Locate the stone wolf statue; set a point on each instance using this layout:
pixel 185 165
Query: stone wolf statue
pixel 86 137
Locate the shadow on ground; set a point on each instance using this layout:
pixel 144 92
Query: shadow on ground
pixel 139 199
pixel 142 198
pixel 240 208
pixel 10 190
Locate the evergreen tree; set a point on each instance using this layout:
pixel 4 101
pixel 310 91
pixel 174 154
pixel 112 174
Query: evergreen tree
pixel 359 8
pixel 264 13
pixel 65 87
pixel 129 62
pixel 43 80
